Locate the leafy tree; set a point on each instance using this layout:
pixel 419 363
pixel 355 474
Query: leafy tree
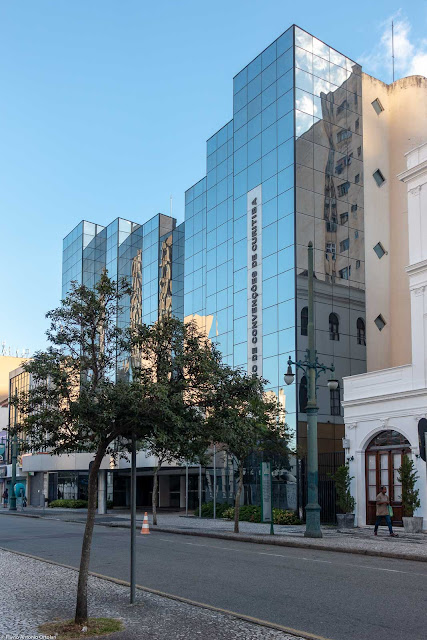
pixel 179 357
pixel 73 403
pixel 246 419
pixel 342 480
pixel 408 476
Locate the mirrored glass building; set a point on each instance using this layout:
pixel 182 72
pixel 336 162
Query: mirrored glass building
pixel 149 256
pixel 286 170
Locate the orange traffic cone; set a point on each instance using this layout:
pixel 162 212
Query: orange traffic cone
pixel 145 528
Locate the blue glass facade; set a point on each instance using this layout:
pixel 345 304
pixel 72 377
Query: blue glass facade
pixel 149 256
pixel 286 170
pixel 295 142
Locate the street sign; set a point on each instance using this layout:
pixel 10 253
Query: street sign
pixel 266 493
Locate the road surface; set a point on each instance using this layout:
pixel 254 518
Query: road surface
pixel 333 595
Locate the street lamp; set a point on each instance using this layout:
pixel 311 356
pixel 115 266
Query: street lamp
pixel 312 369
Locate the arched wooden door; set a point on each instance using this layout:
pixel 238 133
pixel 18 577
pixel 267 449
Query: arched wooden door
pixel 383 459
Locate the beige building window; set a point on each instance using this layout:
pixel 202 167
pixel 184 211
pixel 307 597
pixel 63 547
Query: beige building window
pixel 379 250
pixel 378 107
pixel 378 177
pixel 380 322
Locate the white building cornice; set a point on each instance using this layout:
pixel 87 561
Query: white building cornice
pixel 385 417
pixel 384 398
pixel 418 267
pixel 413 172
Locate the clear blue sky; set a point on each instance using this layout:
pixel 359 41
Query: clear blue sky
pixel 105 107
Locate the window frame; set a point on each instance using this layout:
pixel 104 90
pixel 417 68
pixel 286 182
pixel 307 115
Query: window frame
pixel 335 401
pixel 380 249
pixel 377 106
pixel 361 332
pixel 334 327
pixel 380 174
pixel 304 321
pixel 380 318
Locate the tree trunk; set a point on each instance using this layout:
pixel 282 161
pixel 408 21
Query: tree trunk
pixel 81 604
pixel 237 499
pixel 155 491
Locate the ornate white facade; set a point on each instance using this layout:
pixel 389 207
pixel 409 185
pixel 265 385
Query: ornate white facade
pixel 395 399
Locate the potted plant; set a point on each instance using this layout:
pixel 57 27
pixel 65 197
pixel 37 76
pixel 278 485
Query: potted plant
pixel 345 500
pixel 408 477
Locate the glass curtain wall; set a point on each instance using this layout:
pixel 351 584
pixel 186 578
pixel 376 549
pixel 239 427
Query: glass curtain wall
pixel 264 159
pixel 329 212
pixel 219 240
pixel 127 250
pixel 195 256
pixel 171 272
pixel 74 244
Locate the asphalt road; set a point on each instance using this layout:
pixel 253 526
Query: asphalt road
pixel 334 595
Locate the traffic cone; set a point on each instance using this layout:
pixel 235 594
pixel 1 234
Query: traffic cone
pixel 145 528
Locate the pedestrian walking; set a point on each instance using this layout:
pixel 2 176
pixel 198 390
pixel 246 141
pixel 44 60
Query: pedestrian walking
pixel 384 511
pixel 5 497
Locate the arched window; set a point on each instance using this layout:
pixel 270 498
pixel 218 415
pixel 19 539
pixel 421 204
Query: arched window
pixel 334 327
pixel 303 395
pixel 335 402
pixel 304 321
pixel 361 332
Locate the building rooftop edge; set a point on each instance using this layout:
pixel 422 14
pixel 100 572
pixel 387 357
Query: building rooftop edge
pixel 293 26
pixel 396 82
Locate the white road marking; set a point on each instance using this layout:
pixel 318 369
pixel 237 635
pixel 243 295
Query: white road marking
pixel 281 555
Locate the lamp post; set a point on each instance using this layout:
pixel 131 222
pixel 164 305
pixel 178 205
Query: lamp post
pixel 133 522
pixel 312 369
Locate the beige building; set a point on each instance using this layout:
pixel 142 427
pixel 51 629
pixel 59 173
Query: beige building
pixel 385 411
pixel 394 122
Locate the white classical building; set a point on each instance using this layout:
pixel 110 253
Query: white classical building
pixel 385 411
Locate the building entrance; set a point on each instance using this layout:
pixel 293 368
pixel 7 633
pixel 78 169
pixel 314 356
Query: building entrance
pixel 383 459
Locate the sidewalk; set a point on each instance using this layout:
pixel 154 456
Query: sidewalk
pixel 153 616
pixel 360 540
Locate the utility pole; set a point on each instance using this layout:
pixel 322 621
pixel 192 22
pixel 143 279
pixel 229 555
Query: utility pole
pixel 200 490
pixel 312 369
pixel 186 488
pixel 214 482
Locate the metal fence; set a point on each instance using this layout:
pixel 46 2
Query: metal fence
pixel 328 464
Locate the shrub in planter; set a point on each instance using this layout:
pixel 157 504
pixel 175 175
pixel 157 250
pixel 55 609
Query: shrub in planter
pixel 408 476
pixel 345 500
pixel 68 504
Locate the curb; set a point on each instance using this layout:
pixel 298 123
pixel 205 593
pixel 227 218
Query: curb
pixel 240 616
pixel 238 537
